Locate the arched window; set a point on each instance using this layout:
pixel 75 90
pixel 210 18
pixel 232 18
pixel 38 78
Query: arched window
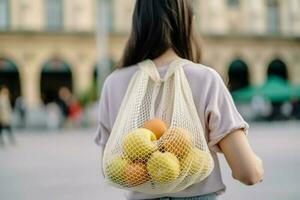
pixel 238 75
pixel 56 74
pixel 278 68
pixel 9 77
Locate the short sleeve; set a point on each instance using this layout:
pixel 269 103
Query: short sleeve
pixel 222 116
pixel 103 130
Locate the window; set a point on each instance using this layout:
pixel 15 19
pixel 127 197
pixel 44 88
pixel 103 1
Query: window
pixel 4 15
pixel 233 3
pixel 273 17
pixel 54 15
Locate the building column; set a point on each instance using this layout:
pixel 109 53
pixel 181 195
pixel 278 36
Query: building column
pixel 257 72
pixel 294 73
pixel 29 75
pixel 82 77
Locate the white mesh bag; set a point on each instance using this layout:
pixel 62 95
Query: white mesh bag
pixel 157 145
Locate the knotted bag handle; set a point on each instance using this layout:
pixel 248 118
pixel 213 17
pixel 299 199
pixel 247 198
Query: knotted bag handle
pixel 149 67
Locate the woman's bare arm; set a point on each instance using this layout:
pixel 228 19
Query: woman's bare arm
pixel 245 165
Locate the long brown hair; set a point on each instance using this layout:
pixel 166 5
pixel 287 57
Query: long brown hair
pixel 158 25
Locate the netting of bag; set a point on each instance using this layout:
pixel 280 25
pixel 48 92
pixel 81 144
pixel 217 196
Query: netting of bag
pixel 157 151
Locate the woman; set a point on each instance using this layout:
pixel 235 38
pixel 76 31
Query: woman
pixel 164 30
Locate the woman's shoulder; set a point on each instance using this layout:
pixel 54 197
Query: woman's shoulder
pixel 119 76
pixel 196 71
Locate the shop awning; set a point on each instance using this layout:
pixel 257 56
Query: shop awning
pixel 275 89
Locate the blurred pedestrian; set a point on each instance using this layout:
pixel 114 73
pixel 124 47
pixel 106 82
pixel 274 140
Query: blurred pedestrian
pixel 64 98
pixel 261 106
pixel 5 115
pixel 287 110
pixel 296 108
pixel 276 113
pixel 20 107
pixel 74 112
pixel 53 118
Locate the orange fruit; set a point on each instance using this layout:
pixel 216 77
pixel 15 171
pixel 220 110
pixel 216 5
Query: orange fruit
pixel 136 174
pixel 177 141
pixel 157 126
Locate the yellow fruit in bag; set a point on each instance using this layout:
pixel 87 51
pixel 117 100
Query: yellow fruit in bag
pixel 116 170
pixel 139 144
pixel 208 165
pixel 194 162
pixel 163 168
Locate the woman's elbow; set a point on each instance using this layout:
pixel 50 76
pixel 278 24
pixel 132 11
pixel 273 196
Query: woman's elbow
pixel 251 177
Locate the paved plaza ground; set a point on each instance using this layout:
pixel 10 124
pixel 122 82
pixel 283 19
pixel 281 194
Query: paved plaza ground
pixel 64 165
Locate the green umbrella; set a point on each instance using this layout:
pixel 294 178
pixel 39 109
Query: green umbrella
pixel 275 89
pixel 245 94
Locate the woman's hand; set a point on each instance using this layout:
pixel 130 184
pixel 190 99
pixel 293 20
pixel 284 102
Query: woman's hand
pixel 261 169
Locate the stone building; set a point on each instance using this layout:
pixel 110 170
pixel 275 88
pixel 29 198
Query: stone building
pixel 46 44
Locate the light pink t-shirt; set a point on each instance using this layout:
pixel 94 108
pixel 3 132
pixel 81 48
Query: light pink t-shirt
pixel 215 108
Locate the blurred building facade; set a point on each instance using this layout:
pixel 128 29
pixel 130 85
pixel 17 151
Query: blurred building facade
pixel 47 44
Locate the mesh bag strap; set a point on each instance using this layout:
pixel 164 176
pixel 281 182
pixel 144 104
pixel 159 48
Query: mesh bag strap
pixel 149 67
